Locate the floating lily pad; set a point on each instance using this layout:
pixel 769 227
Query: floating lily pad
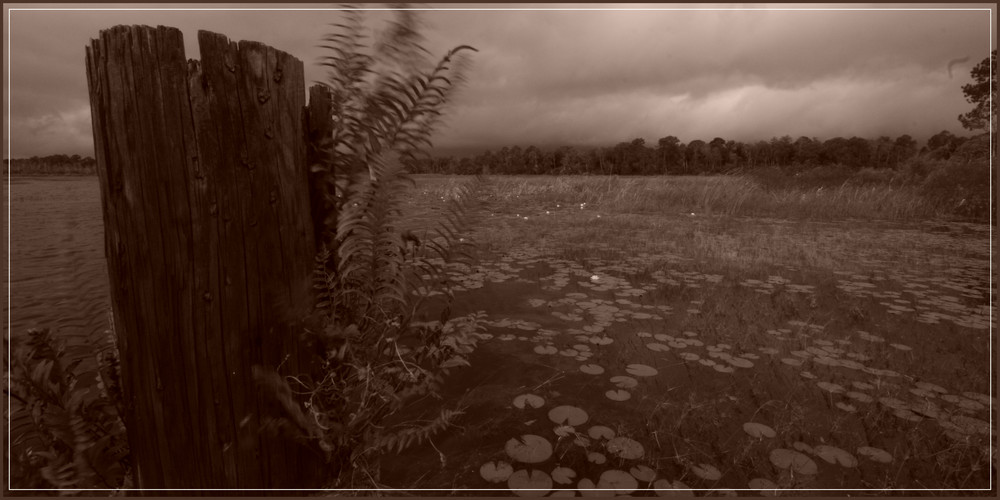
pixel 563 493
pixel 765 487
pixel 665 488
pixel 657 347
pixel 689 356
pixel 833 455
pixel 643 473
pixel 618 395
pixel 875 454
pixel 846 407
pixel 640 370
pixel 528 400
pixel 601 432
pixel 546 349
pixel 535 483
pixel 830 387
pixel 783 458
pixel 759 430
pixel 807 375
pixel 791 361
pixel 568 415
pixel 723 368
pixel 530 449
pixel 927 386
pixel 586 487
pixel 707 472
pixel 800 446
pixel 626 448
pixel 623 382
pixel 592 369
pixel 581 441
pixel 618 480
pixel 596 457
pixel 496 472
pixel 563 475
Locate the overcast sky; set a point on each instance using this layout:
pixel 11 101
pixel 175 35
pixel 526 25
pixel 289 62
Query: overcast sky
pixel 578 77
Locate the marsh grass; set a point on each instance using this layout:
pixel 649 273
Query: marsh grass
pixel 724 195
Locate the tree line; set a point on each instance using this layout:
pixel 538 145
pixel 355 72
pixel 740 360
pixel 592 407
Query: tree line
pixel 51 165
pixel 671 156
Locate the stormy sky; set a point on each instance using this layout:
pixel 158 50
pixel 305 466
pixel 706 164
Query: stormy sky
pixel 577 77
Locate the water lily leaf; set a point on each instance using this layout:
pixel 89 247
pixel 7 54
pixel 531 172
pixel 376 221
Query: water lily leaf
pixel 535 483
pixel 740 362
pixel 789 459
pixel 765 487
pixel 563 493
pixel 618 480
pixel 546 349
pixel 665 488
pixel 596 457
pixel 626 448
pixel 835 455
pixel 640 370
pixel 624 382
pixel 643 473
pixel 601 432
pixel 657 347
pixel 592 369
pixel 706 472
pixel 586 487
pixel 875 454
pixel 830 387
pixel 759 430
pixel 528 400
pixel 529 449
pixel 563 475
pixel 618 395
pixel 496 472
pixel 568 415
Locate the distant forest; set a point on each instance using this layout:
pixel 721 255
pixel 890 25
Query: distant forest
pixel 670 156
pixel 51 165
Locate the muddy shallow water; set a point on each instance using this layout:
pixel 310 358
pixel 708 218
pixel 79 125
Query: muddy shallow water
pixel 725 377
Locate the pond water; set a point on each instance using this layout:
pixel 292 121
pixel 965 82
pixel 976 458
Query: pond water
pixel 695 377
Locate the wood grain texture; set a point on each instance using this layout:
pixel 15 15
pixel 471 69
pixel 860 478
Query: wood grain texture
pixel 210 244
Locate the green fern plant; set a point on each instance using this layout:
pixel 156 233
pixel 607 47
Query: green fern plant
pixel 71 437
pixel 375 357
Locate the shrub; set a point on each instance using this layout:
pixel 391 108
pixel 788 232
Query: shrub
pixel 374 355
pixel 961 188
pixel 73 438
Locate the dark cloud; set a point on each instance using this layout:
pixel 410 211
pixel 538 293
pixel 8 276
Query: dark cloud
pixel 585 77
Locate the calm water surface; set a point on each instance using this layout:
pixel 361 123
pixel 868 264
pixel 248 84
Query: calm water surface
pixel 58 277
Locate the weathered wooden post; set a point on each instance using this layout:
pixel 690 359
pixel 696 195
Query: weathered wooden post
pixel 210 246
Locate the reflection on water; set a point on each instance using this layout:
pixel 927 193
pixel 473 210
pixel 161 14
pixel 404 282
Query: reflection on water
pixel 58 277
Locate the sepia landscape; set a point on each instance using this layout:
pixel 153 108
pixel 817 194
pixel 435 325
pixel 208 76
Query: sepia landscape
pixel 439 252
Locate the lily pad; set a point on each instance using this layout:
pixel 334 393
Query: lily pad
pixel 624 382
pixel 626 448
pixel 759 430
pixel 496 472
pixel 640 370
pixel 784 458
pixel 592 369
pixel 528 400
pixel 707 472
pixel 618 480
pixel 665 488
pixel 835 455
pixel 586 487
pixel 765 487
pixel 563 475
pixel 657 347
pixel 600 432
pixel 530 449
pixel 830 387
pixel 535 483
pixel 875 454
pixel 564 430
pixel 740 362
pixel 568 415
pixel 643 473
pixel 596 457
pixel 618 395
pixel 546 349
